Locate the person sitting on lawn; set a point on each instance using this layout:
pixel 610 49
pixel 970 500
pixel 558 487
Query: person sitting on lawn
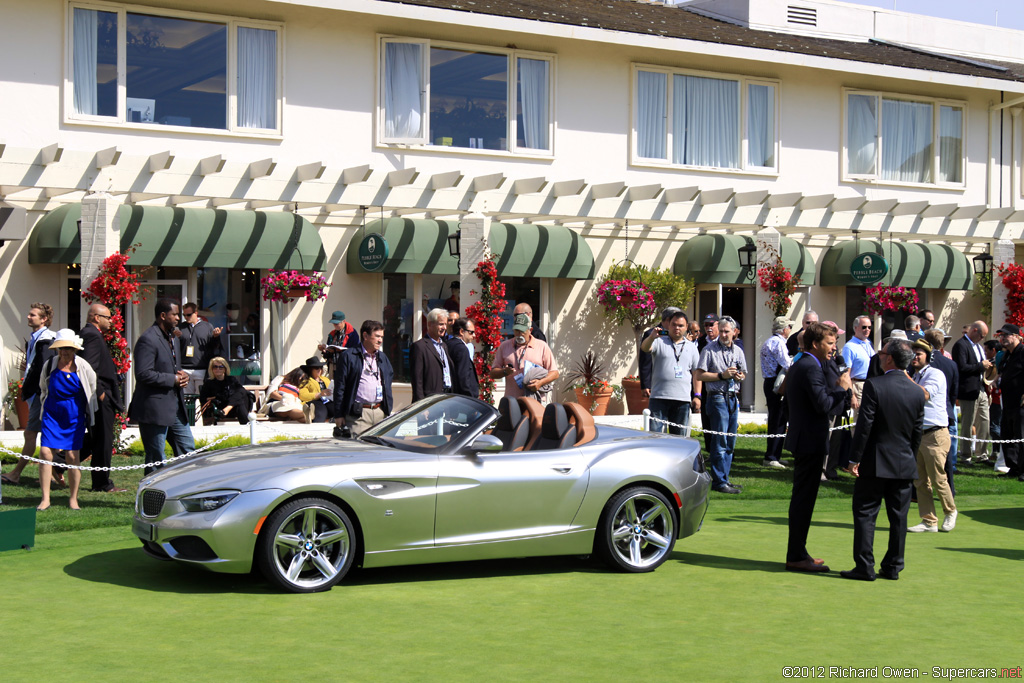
pixel 314 392
pixel 283 401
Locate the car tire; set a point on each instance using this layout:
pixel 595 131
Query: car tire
pixel 306 546
pixel 637 530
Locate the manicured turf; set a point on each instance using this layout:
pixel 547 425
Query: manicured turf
pixel 87 604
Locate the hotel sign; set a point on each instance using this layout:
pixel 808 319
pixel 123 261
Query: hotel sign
pixel 373 252
pixel 868 268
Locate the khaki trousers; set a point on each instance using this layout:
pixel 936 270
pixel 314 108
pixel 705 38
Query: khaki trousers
pixel 858 392
pixel 369 418
pixel 931 475
pixel 976 414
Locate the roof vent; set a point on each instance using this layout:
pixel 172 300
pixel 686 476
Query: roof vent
pixel 804 16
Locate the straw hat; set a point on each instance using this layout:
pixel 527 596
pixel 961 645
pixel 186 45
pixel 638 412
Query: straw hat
pixel 67 339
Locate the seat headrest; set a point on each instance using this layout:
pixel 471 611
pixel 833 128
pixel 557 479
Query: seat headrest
pixel 586 431
pixel 510 414
pixel 556 421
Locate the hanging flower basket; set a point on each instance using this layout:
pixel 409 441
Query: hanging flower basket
pixel 780 284
pixel 882 298
pixel 288 285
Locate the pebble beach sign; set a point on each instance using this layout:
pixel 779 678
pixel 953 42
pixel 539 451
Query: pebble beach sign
pixel 868 268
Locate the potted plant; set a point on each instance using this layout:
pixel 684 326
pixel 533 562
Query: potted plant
pixel 288 285
pixel 636 402
pixel 593 391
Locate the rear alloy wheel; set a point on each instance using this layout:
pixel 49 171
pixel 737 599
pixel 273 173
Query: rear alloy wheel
pixel 637 530
pixel 307 546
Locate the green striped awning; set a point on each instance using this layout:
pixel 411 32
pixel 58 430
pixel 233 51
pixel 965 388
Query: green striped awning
pixel 714 259
pixel 526 250
pixel 911 264
pixel 193 238
pixel 414 246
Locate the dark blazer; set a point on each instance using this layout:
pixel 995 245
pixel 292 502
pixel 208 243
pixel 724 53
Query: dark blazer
pixel 425 369
pixel 811 402
pixel 970 369
pixel 1011 377
pixel 645 363
pixel 43 353
pixel 464 379
pixel 346 380
pixel 96 352
pixel 157 396
pixel 947 368
pixel 889 427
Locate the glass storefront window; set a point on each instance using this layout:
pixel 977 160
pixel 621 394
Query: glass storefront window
pixel 229 298
pixel 397 319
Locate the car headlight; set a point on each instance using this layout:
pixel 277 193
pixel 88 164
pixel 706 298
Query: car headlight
pixel 211 500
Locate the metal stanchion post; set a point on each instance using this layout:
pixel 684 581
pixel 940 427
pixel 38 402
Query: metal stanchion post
pixel 647 419
pixel 252 428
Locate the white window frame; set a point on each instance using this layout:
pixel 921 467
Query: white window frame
pixel 744 142
pixel 231 112
pixel 424 141
pixel 876 178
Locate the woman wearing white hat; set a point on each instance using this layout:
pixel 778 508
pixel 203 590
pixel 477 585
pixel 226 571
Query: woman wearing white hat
pixel 68 397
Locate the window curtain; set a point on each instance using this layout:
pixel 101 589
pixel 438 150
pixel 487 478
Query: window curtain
pixel 907 141
pixel 403 88
pixel 257 78
pixel 706 122
pixel 761 126
pixel 86 28
pixel 533 96
pixel 652 100
pixel 861 133
pixel 951 130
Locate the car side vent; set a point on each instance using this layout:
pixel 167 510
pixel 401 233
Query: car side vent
pixel 804 16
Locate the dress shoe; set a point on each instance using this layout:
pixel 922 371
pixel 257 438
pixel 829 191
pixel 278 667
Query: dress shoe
pixel 857 575
pixel 725 488
pixel 775 464
pixel 889 574
pixel 113 489
pixel 949 523
pixel 808 565
pixel 922 527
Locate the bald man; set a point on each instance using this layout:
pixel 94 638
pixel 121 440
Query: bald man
pixel 100 442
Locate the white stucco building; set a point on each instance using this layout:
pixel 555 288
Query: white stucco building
pixel 229 137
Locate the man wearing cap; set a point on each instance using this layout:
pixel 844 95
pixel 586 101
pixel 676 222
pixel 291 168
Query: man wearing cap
pixel 199 343
pixel 1011 384
pixel 644 361
pixel 934 449
pixel 99 445
pixel 362 385
pixel 430 365
pixel 535 330
pixel 710 331
pixel 158 405
pixel 969 357
pixel 775 359
pixel 857 353
pixel 343 336
pixel 517 356
pixel 721 368
pixel 316 391
pixel 795 342
pixel 673 360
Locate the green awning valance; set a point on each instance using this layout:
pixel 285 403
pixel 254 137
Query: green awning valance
pixel 194 238
pixel 414 246
pixel 911 264
pixel 714 259
pixel 527 250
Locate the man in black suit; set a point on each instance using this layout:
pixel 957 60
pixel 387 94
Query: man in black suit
pixel 969 357
pixel 1011 384
pixel 430 364
pixel 888 434
pixel 811 402
pixel 158 406
pixel 461 350
pixel 100 444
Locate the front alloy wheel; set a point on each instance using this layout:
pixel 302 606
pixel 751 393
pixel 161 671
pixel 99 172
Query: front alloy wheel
pixel 307 546
pixel 637 530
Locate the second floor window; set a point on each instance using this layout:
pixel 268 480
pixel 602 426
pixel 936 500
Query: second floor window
pixel 461 97
pixel 138 67
pixel 702 121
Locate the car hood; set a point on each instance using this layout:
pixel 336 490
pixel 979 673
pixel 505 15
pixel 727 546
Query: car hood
pixel 266 465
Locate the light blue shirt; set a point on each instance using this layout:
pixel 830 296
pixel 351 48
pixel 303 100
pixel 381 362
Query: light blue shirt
pixel 934 381
pixel 857 353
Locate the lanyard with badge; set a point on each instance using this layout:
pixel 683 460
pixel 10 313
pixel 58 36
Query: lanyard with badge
pixel 678 354
pixel 375 371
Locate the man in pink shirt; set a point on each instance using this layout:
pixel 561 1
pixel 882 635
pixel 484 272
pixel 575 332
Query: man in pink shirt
pixel 516 357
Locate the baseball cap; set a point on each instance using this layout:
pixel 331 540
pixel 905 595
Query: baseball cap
pixel 1009 328
pixel 521 323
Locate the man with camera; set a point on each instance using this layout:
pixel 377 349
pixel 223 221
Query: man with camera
pixel 721 368
pixel 673 360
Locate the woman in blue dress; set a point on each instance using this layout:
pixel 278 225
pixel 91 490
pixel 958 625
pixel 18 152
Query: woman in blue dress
pixel 68 395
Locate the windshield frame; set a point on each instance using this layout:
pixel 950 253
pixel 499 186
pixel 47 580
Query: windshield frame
pixel 466 436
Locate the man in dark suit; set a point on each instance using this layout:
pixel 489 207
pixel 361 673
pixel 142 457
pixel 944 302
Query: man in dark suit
pixel 970 360
pixel 1011 383
pixel 430 365
pixel 100 443
pixel 362 383
pixel 885 442
pixel 461 350
pixel 811 402
pixel 158 406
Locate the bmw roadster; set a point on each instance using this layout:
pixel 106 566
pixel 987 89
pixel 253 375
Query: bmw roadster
pixel 450 478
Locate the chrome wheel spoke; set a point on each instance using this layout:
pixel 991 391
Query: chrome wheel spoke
pixel 289 541
pixel 309 523
pixel 332 536
pixel 295 568
pixel 629 510
pixel 636 551
pixel 622 533
pixel 656 539
pixel 656 511
pixel 325 567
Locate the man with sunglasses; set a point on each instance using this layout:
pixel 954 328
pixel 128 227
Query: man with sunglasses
pixel 710 331
pixel 462 350
pixel 857 353
pixel 100 443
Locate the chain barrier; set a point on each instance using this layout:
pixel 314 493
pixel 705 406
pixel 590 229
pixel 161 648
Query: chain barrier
pixel 118 468
pixel 282 432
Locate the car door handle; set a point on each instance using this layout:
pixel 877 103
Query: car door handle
pixel 562 469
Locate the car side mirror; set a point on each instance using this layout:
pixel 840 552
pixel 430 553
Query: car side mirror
pixel 486 443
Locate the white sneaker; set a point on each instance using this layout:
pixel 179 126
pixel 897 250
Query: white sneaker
pixel 774 463
pixel 923 527
pixel 949 522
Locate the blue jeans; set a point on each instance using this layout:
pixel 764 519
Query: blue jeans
pixel 154 437
pixel 953 429
pixel 723 416
pixel 671 411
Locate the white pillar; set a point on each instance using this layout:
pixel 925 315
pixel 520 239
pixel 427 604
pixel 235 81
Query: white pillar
pixel 100 233
pixel 1002 255
pixel 766 239
pixel 473 245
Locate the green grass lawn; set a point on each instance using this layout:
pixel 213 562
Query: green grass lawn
pixel 86 604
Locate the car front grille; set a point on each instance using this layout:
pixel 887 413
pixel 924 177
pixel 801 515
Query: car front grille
pixel 152 502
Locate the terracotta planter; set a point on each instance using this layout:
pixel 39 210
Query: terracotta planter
pixel 635 399
pixel 598 400
pixel 22 409
pixel 298 292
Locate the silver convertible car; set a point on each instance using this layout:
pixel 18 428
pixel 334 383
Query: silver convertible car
pixel 448 479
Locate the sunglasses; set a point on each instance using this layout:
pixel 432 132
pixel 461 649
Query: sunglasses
pixel 865 327
pixel 219 367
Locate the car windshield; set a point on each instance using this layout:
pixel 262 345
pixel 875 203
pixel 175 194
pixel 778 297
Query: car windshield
pixel 432 423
